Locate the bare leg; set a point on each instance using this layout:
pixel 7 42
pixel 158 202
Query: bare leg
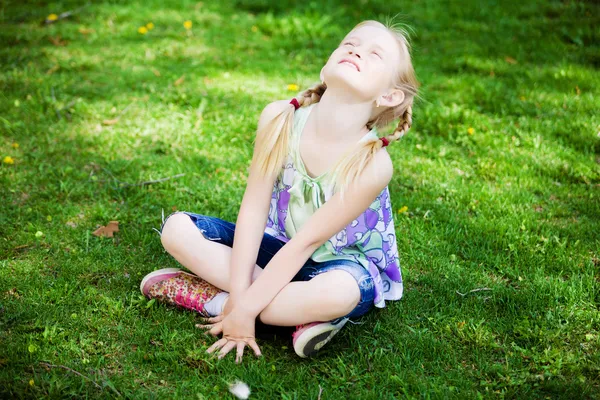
pixel 325 297
pixel 205 258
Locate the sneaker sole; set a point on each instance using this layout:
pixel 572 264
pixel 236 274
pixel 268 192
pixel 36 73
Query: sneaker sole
pixel 313 339
pixel 154 274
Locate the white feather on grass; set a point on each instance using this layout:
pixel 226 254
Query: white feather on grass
pixel 240 390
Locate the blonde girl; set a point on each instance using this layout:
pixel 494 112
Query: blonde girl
pixel 314 242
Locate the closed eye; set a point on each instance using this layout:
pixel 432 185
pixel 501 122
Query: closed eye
pixel 377 54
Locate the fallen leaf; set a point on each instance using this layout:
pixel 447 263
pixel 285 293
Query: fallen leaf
pixel 71 224
pixel 510 60
pixel 155 72
pixel 110 121
pixel 53 69
pixel 577 90
pixel 180 80
pixel 85 31
pixel 57 41
pixel 108 230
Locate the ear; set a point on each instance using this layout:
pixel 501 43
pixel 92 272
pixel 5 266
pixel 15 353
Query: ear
pixel 392 98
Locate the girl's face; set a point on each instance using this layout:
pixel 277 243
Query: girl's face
pixel 364 63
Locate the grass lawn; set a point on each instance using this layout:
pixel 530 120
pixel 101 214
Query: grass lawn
pixel 497 187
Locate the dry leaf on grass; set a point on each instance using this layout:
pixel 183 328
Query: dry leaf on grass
pixel 180 80
pixel 110 121
pixel 53 69
pixel 108 230
pixel 86 31
pixel 57 41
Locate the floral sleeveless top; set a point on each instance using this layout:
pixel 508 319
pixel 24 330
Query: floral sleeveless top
pixel 369 240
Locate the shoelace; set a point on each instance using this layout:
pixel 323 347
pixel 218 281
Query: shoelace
pixel 190 302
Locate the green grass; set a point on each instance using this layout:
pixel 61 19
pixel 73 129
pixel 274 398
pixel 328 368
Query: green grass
pixel 514 207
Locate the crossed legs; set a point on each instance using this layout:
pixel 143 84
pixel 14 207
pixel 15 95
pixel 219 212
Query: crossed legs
pixel 327 296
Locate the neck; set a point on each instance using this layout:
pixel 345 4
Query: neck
pixel 339 117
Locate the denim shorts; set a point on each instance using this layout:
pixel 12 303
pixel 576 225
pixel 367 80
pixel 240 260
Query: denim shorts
pixel 221 231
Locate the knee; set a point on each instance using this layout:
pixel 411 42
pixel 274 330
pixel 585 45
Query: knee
pixel 343 296
pixel 347 300
pixel 172 229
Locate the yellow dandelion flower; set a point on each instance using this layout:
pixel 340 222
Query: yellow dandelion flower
pixel 15 145
pixel 31 382
pixel 49 218
pixel 187 24
pixel 522 98
pixel 52 17
pixel 470 131
pixel 403 209
pixel 143 30
pixel 150 26
pixel 293 87
pixel 8 160
pixel 255 28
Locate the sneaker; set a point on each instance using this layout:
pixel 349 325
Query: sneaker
pixel 309 338
pixel 176 287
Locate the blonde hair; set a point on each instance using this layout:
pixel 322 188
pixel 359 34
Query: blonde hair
pixel 272 140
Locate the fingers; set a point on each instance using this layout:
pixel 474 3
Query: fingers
pixel 217 345
pixel 240 352
pixel 213 329
pixel 227 348
pixel 254 346
pixel 226 345
pixel 214 320
pixel 216 329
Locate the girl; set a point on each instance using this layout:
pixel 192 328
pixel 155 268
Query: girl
pixel 314 242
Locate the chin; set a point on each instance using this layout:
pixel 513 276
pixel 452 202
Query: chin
pixel 346 83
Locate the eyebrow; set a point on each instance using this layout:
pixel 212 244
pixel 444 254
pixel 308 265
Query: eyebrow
pixel 376 46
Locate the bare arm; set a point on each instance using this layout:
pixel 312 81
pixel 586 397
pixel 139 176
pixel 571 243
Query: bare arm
pixel 252 217
pixel 328 220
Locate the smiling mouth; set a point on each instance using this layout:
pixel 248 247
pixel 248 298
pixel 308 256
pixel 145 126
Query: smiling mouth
pixel 350 64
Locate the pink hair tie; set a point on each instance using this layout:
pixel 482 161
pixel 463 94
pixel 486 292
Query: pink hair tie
pixel 295 103
pixel 385 141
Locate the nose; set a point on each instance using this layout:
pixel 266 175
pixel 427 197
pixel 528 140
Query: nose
pixel 357 55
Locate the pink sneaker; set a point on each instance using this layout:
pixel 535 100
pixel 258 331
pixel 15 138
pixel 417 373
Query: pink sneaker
pixel 176 287
pixel 309 338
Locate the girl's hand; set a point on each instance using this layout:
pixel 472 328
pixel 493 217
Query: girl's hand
pixel 238 332
pixel 214 325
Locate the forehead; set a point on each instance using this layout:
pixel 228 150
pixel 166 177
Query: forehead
pixel 376 36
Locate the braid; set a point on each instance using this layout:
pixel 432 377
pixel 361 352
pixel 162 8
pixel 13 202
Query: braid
pixel 272 140
pixel 312 95
pixel 403 125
